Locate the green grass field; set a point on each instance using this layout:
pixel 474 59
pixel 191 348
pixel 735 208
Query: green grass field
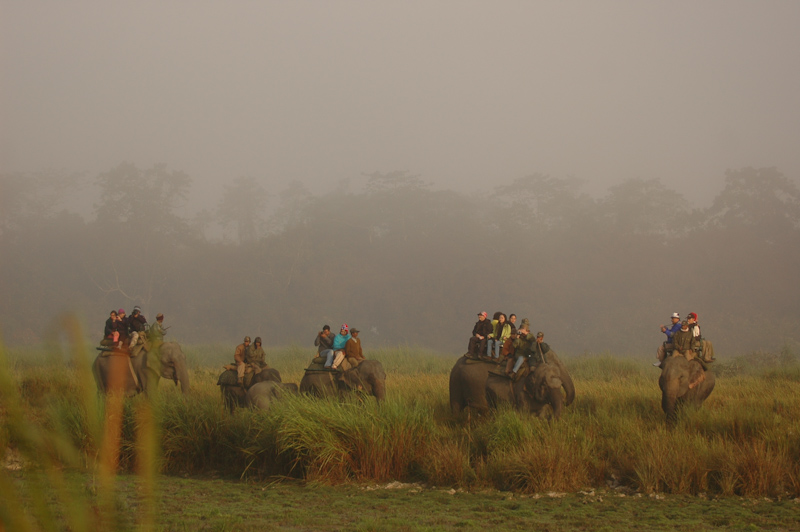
pixel 73 460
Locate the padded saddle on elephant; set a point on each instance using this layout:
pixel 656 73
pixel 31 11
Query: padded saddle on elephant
pixel 520 374
pixel 469 358
pixel 230 377
pixel 705 351
pixel 318 364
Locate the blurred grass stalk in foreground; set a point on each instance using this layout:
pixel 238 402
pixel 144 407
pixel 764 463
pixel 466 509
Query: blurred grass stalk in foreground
pixel 48 453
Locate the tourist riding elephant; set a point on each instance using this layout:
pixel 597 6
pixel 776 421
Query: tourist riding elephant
pixel 532 393
pixel 367 377
pixel 233 394
pixel 468 384
pixel 262 394
pixel 165 360
pixel 683 381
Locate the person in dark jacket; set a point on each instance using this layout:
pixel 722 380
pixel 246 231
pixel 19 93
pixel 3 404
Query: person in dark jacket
pixel 136 325
pixel 480 333
pixel 255 355
pixel 324 340
pixel 124 329
pixel 111 330
pixel 521 348
pixel 539 350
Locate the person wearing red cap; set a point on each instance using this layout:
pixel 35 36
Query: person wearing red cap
pixel 336 353
pixel 691 318
pixel 480 332
pixel 702 347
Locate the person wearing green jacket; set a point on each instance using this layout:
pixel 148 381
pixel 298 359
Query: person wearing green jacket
pixel 683 342
pixel 500 333
pixel 522 347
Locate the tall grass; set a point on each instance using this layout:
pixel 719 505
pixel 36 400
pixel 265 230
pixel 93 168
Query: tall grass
pixel 743 441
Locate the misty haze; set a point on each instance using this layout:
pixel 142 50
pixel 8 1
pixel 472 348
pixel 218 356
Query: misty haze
pixel 264 169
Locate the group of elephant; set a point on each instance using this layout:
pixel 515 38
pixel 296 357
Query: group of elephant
pixel 266 386
pixel 477 384
pixel 130 375
pixel 474 383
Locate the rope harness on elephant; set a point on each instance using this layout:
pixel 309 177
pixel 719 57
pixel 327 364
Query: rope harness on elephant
pixel 106 352
pixel 135 378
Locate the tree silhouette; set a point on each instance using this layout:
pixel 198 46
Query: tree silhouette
pixel 243 204
pixel 757 199
pixel 149 198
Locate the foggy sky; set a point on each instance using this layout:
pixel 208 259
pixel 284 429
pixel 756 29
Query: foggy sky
pixel 465 94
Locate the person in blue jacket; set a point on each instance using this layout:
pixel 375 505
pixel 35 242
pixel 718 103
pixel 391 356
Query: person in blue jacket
pixel 667 346
pixel 336 353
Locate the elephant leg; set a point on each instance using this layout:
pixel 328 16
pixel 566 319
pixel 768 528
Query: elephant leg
pixel 455 406
pixel 233 396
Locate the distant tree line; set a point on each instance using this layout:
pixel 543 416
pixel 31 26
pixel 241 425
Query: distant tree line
pixel 406 263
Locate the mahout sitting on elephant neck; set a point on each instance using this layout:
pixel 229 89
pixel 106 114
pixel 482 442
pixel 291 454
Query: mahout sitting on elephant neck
pixel 234 391
pixel 534 388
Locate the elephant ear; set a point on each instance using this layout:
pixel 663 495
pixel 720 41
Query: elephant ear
pixel 536 385
pixel 351 378
pixel 696 374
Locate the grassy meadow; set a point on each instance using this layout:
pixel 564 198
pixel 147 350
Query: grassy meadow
pixel 65 449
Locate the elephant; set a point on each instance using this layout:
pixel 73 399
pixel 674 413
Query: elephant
pixel 683 381
pixel 262 394
pixel 117 371
pixel 234 395
pixel 532 393
pixel 173 365
pixel 112 371
pixel 468 384
pixel 367 377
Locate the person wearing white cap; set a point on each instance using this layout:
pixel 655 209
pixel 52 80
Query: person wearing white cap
pixel 667 346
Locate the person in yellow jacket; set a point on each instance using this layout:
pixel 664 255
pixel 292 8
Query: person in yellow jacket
pixel 501 331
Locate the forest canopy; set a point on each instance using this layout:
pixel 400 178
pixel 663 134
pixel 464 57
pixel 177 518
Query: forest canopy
pixel 405 263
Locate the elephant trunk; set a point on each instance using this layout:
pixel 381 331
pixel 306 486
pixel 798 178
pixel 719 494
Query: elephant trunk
pixel 379 390
pixel 183 377
pixel 669 399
